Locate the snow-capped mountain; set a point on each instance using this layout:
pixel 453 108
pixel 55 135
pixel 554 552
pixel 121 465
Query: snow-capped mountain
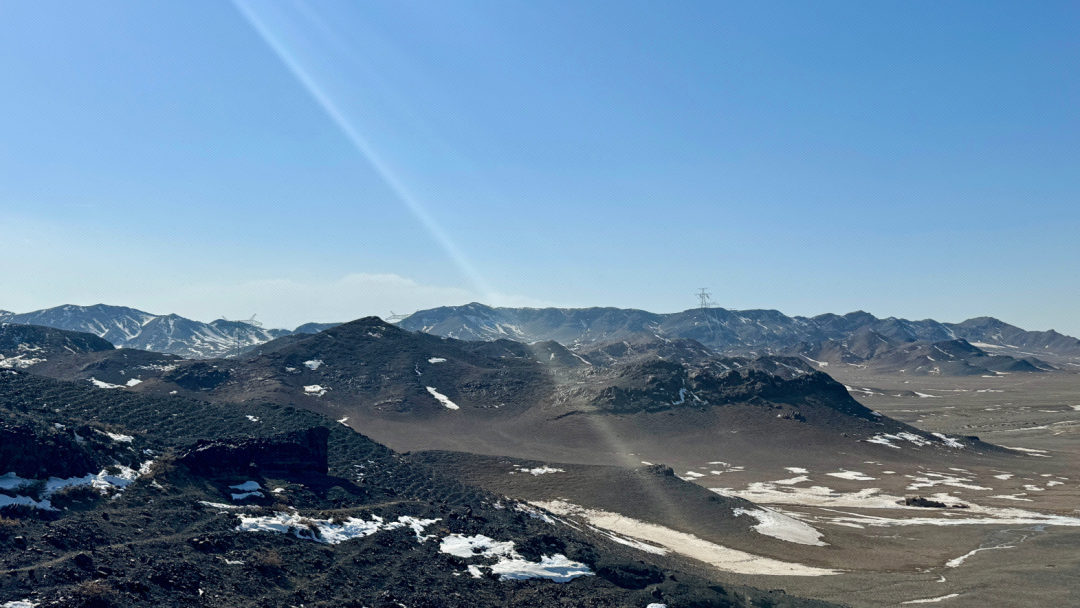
pixel 726 330
pixel 132 328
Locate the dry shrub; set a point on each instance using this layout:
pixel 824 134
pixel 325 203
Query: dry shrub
pixel 8 526
pixel 74 495
pixel 268 560
pixel 93 594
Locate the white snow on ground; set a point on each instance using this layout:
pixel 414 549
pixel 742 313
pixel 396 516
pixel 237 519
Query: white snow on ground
pixel 1004 476
pixel 955 563
pixel 118 437
pixel 344 420
pixel 103 482
pixel 218 505
pixel 246 495
pixel 932 600
pixel 133 382
pixel 315 390
pixel 441 360
pixel 19 604
pixel 872 498
pixel 540 471
pixel 778 525
pixel 852 475
pixel 582 358
pixel 247 486
pixel 313 364
pixel 925 396
pixel 887 439
pixel 1028 451
pixel 952 443
pixel 252 418
pixel 930 479
pixel 656 606
pixel 692 475
pixel 511 565
pixel 730 560
pixel 326 531
pixel 443 399
pixel 100 384
pixel 793 480
pixel 796 470
pixel 819 363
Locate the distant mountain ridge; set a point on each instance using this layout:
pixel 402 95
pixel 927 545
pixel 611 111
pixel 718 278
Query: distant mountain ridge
pixel 173 334
pixel 726 330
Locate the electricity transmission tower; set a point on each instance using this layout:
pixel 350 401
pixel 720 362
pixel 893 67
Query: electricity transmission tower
pixel 704 296
pixel 239 323
pixel 394 317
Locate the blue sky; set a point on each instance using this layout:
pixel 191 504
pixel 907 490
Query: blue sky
pixel 317 160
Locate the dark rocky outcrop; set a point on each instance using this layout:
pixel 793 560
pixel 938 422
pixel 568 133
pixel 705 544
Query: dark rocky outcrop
pixel 287 455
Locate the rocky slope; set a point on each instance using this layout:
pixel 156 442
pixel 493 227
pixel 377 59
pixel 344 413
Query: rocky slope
pixel 264 505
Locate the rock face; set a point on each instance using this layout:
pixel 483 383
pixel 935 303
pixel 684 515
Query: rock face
pixel 287 455
pixel 36 455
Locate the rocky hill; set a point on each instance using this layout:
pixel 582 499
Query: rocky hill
pixel 868 349
pixel 175 502
pixel 761 331
pixel 173 334
pixel 23 346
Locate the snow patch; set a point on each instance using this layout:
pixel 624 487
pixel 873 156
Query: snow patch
pixel 313 364
pixel 778 525
pixel 443 399
pixel 327 532
pixel 441 360
pixel 511 565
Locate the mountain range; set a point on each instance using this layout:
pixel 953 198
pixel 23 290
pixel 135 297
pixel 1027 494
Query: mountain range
pixel 131 328
pixel 731 331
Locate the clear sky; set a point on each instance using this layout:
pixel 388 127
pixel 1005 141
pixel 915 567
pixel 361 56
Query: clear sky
pixel 314 160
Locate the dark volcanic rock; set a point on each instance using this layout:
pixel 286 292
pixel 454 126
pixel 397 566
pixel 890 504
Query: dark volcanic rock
pixel 197 377
pixel 31 454
pixel 291 454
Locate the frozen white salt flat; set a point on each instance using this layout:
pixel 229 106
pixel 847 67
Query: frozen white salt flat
pixel 313 364
pixel 441 360
pixel 545 470
pixel 325 531
pixel 315 390
pixel 932 600
pixel 511 565
pixel 777 525
pixel 443 399
pixel 729 560
pixel 133 382
pixel 247 486
pixel 852 475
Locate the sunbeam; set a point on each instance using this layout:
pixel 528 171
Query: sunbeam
pixel 256 14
